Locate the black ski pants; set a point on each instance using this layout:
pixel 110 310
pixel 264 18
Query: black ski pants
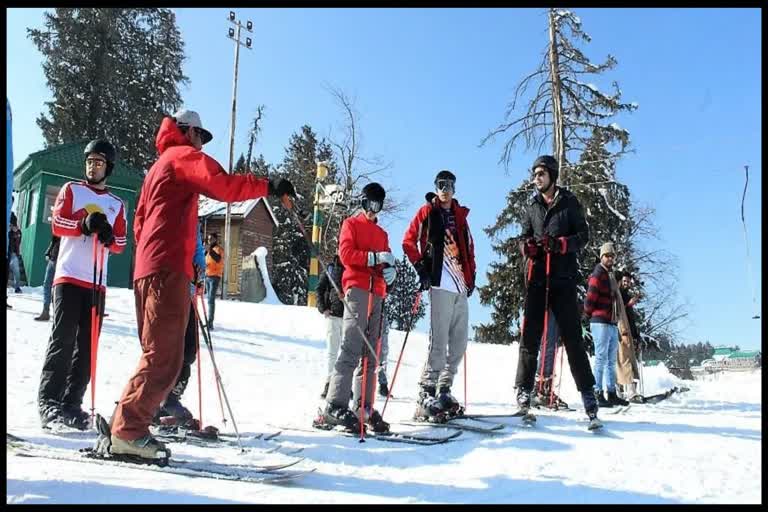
pixel 190 353
pixel 563 303
pixel 67 364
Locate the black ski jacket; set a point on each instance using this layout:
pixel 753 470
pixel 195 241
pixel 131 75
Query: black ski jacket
pixel 327 298
pixel 565 218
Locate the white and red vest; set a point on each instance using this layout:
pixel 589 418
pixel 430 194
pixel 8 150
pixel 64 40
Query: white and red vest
pixel 76 259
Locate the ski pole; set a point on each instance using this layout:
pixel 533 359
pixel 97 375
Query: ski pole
pixel 207 339
pixel 365 362
pixel 559 377
pixel 199 366
pixel 218 388
pixel 546 322
pixel 465 380
pixel 93 327
pixel 96 312
pixel 416 302
pixel 330 278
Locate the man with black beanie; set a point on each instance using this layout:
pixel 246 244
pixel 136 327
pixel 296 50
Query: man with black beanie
pixel 553 231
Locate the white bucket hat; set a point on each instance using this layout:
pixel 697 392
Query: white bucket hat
pixel 191 119
pixel 607 248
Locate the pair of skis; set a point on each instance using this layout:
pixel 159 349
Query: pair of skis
pixel 264 473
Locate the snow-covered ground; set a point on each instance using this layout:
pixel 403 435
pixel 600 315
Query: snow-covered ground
pixel 702 446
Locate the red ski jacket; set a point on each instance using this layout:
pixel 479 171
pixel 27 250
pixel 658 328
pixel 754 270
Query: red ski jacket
pixel 358 237
pixel 426 229
pixel 166 214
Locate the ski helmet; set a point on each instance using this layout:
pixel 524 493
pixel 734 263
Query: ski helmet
pixel 373 197
pixel 550 164
pixel 105 149
pixel 445 180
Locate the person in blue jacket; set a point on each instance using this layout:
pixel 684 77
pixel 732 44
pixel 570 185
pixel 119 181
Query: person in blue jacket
pixel 172 405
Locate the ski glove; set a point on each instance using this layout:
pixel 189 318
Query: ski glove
pixel 529 248
pixel 106 236
pixel 381 258
pixel 425 280
pixel 93 223
pixel 557 245
pixel 389 274
pixel 281 188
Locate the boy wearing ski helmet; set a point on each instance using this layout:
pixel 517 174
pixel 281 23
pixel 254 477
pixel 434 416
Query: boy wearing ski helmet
pixel 84 211
pixel 554 230
pixel 369 267
pixel 439 244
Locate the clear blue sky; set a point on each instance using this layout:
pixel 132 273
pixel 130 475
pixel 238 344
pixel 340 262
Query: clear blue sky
pixel 430 83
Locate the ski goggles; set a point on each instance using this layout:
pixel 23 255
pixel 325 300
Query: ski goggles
pixel 445 185
pixel 372 205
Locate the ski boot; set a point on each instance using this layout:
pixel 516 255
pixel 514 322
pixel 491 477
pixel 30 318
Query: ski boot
pixel 74 416
pixel 335 415
pixel 614 399
pixel 601 401
pixel 428 407
pixel 591 406
pixel 524 407
pixel 173 407
pixel 375 421
pixel 50 412
pixel 448 403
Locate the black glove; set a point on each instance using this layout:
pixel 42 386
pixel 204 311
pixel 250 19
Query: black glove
pixel 425 280
pixel 106 236
pixel 93 223
pixel 281 188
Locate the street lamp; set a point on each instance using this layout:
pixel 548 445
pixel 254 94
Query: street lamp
pixel 234 34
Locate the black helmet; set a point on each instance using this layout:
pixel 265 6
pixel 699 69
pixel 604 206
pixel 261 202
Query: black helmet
pixel 549 163
pixel 445 179
pixel 105 149
pixel 373 197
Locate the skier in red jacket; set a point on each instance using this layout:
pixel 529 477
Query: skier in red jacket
pixel 369 267
pixel 164 227
pixel 439 244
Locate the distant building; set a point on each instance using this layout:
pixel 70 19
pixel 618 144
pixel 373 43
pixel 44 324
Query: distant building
pixel 252 224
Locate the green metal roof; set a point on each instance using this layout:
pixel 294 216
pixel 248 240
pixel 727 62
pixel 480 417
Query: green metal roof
pixel 68 159
pixel 750 354
pixel 722 351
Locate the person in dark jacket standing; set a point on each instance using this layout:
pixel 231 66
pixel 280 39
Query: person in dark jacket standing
pixel 51 253
pixel 164 228
pixel 14 253
pixel 553 227
pixel 331 307
pixel 601 308
pixel 369 267
pixel 439 244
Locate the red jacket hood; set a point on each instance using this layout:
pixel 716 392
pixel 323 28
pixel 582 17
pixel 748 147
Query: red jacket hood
pixel 169 135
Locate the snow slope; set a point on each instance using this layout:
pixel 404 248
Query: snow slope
pixel 702 446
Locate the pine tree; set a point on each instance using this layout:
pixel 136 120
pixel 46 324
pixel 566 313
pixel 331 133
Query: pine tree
pixel 240 167
pixel 401 296
pixel 114 73
pixel 564 109
pixel 291 251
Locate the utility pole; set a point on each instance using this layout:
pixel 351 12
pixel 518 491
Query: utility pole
pixel 234 34
pixel 317 227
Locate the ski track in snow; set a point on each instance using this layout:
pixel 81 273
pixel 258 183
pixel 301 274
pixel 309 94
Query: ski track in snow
pixel 702 446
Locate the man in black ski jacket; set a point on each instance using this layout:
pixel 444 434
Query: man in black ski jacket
pixel 553 228
pixel 331 306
